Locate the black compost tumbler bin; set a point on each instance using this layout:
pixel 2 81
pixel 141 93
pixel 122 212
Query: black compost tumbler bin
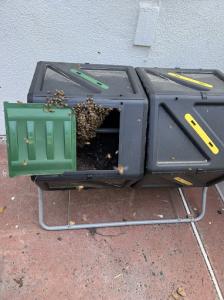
pixel 101 126
pixel 185 144
pixel 116 87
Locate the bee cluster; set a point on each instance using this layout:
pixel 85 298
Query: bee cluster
pixel 92 152
pixel 89 115
pixel 57 100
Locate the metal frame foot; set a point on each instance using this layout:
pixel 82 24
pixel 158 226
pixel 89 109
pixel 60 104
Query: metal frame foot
pixel 122 223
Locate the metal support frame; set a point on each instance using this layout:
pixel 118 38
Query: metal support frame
pixel 123 223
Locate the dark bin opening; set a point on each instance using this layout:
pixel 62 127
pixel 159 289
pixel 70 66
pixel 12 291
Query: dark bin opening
pixel 101 153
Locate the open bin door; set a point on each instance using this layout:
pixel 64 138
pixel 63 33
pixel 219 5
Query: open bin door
pixel 40 141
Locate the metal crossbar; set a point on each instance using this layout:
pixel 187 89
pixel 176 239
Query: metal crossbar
pixel 122 223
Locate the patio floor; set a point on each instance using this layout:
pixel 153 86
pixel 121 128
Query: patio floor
pixel 139 262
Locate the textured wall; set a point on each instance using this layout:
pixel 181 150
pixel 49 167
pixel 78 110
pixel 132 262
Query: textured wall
pixel 189 34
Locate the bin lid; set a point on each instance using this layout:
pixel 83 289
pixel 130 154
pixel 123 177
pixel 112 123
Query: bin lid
pixel 39 141
pixel 183 80
pixel 82 80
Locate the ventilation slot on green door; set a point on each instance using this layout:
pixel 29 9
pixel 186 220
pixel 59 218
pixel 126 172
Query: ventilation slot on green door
pixel 39 142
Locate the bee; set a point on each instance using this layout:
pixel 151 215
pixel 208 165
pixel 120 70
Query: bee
pixel 80 187
pixel 71 223
pixel 108 156
pixel 25 163
pixel 120 169
pixel 27 141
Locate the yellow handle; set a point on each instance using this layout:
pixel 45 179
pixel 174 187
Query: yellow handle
pixel 190 80
pixel 201 133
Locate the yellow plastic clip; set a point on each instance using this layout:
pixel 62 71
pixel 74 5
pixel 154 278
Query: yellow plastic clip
pixel 183 181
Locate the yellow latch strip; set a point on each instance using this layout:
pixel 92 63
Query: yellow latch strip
pixel 202 134
pixel 183 181
pixel 188 79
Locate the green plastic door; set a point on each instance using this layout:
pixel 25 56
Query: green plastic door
pixel 39 142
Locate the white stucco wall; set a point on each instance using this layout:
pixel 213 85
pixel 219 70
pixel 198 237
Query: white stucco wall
pixel 189 34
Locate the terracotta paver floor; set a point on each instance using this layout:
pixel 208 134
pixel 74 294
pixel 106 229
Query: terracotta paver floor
pixel 144 262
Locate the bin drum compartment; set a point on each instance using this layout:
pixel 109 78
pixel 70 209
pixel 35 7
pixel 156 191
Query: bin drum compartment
pixel 185 142
pixel 120 140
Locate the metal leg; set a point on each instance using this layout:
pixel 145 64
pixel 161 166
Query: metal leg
pixel 123 223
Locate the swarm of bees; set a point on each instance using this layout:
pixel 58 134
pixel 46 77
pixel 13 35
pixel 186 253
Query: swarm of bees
pixel 58 100
pixel 89 115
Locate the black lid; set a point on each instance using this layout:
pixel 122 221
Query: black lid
pixel 182 81
pixel 81 80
